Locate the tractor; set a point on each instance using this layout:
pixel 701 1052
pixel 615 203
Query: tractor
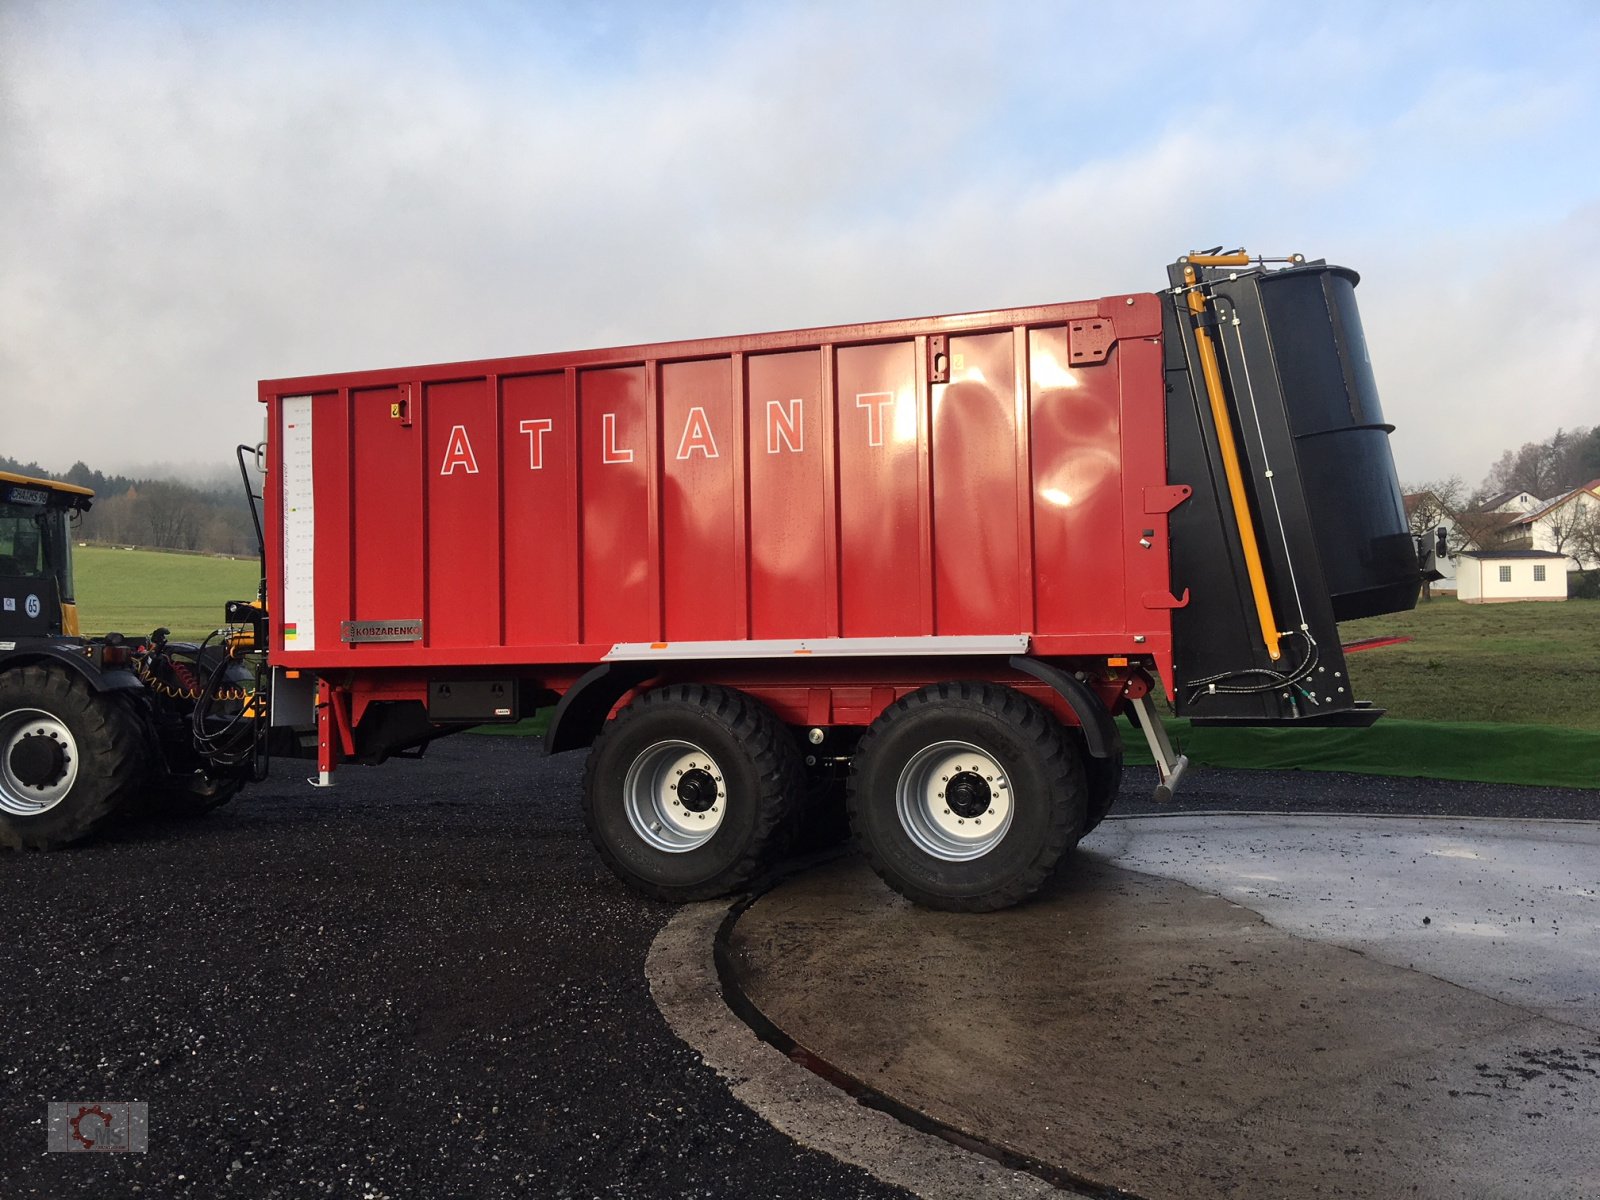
pixel 97 729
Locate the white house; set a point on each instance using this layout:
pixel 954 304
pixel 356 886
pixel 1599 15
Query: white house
pixel 1556 526
pixel 1498 576
pixel 1511 502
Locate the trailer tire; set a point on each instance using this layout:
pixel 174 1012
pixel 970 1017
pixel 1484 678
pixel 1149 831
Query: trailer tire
pixel 1103 777
pixel 1014 765
pixel 691 791
pixel 70 759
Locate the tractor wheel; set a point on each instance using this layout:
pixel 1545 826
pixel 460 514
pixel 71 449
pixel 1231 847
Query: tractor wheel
pixel 69 758
pixel 690 792
pixel 966 795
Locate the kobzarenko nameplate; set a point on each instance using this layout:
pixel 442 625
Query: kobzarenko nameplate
pixel 380 631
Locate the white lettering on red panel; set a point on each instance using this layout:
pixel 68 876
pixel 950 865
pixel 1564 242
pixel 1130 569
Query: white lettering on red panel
pixel 874 403
pixel 785 424
pixel 697 435
pixel 785 433
pixel 609 450
pixel 458 452
pixel 536 428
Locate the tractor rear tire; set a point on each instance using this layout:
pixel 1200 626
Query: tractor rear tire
pixel 965 796
pixel 70 758
pixel 690 792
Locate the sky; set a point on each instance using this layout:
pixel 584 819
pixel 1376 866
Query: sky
pixel 194 197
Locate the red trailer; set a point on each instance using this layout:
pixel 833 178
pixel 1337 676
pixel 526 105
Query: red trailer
pixel 937 555
pixel 927 562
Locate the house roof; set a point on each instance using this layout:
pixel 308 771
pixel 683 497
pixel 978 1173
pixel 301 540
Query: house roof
pixel 1493 503
pixel 1485 554
pixel 1592 488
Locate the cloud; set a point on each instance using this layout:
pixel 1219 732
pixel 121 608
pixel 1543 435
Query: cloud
pixel 1479 348
pixel 200 201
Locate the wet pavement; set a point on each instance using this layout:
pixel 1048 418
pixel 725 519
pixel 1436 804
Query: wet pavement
pixel 1229 1005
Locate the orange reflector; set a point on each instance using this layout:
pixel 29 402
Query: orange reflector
pixel 1117 661
pixel 658 645
pixel 291 674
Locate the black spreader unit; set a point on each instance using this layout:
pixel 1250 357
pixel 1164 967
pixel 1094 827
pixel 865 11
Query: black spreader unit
pixel 1321 488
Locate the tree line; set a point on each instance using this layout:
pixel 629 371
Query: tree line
pixel 161 514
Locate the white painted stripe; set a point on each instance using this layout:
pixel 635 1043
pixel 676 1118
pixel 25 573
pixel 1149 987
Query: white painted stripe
pixel 865 647
pixel 299 526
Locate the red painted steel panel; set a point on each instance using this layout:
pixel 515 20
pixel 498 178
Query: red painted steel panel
pixel 1077 475
pixel 702 591
pixel 879 418
pixel 463 474
pixel 792 485
pixel 613 463
pixel 539 441
pixel 1144 464
pixel 386 514
pixel 788 486
pixel 974 443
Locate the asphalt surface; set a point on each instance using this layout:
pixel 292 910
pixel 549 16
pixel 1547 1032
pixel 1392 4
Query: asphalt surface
pixel 421 983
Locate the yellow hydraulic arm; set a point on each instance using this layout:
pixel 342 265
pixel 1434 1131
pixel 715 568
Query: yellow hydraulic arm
pixel 1229 448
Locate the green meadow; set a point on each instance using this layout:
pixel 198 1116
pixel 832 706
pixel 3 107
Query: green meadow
pixel 135 591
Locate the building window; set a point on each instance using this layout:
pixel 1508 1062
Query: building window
pixel 1538 573
pixel 1505 574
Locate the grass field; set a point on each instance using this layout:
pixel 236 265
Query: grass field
pixel 134 591
pixel 1516 664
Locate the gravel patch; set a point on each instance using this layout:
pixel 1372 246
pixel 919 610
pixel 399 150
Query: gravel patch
pixel 422 982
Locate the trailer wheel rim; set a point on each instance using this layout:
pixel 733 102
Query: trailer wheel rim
pixel 954 801
pixel 675 796
pixel 38 762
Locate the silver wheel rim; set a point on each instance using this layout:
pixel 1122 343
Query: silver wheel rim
pixel 954 801
pixel 28 799
pixel 674 796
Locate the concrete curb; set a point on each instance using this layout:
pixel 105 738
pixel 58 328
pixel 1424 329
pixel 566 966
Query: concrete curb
pixel 682 973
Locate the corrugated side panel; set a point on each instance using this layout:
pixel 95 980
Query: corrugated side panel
pixel 539 482
pixel 542 511
pixel 793 588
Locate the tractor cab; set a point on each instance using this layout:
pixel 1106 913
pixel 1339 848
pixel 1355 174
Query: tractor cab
pixel 36 594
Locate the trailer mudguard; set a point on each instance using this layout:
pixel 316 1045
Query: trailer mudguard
pixel 1099 730
pixel 583 709
pixel 118 680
